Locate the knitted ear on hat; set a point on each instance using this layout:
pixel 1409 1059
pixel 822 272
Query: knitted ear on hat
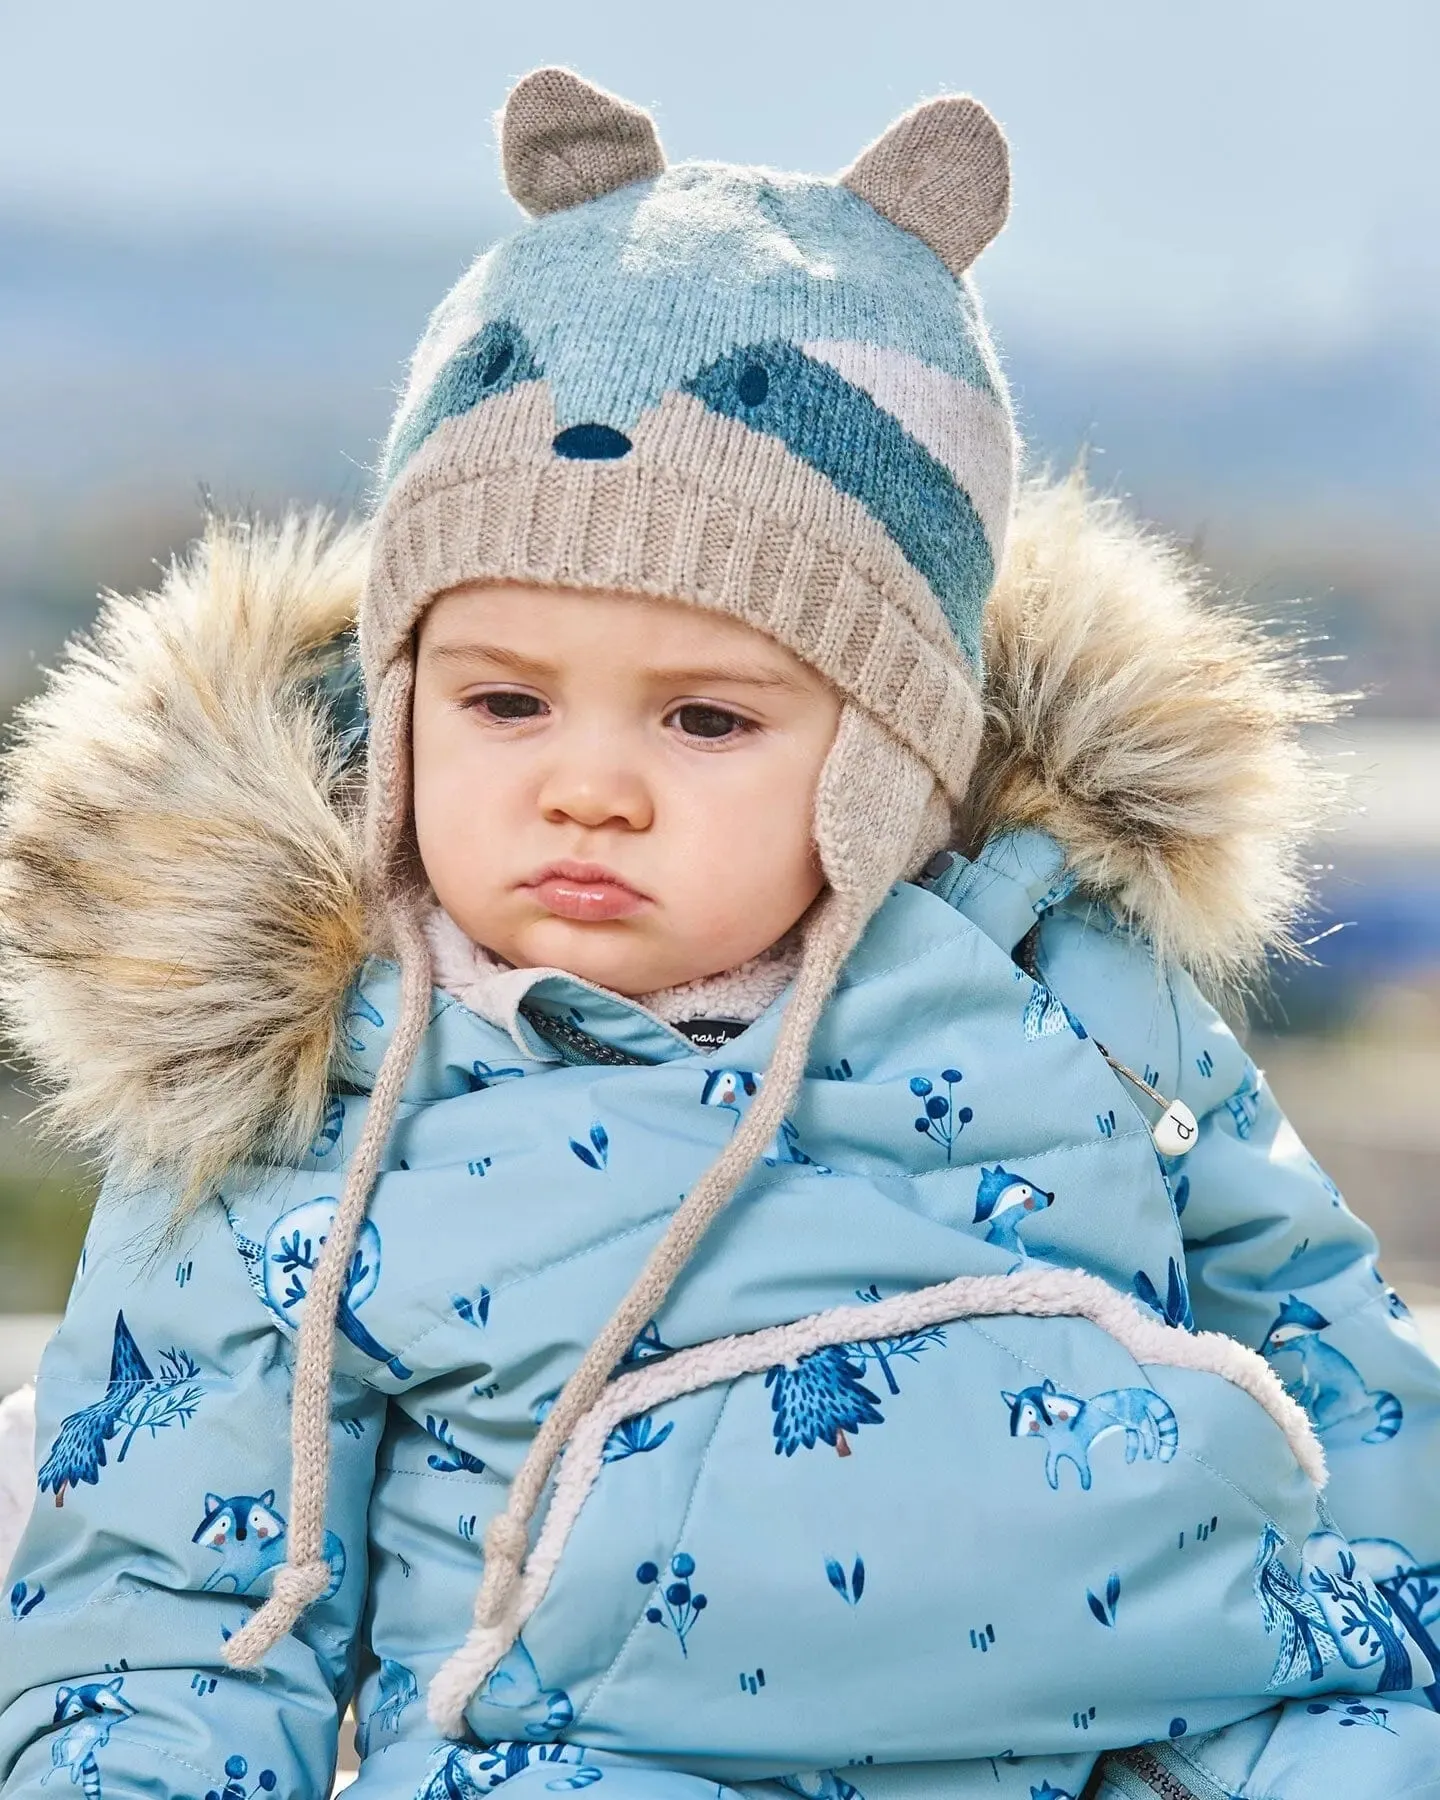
pixel 564 140
pixel 942 170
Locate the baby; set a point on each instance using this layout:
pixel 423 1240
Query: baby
pixel 689 1098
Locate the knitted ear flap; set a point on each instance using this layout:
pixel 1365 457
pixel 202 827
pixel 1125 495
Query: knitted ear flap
pixel 942 170
pixel 564 140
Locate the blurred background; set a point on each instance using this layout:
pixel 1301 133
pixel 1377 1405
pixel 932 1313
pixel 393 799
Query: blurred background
pixel 221 232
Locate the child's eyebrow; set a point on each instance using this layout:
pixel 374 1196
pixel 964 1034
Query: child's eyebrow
pixel 698 676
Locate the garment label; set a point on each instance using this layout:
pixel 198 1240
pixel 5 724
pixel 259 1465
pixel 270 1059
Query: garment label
pixel 711 1034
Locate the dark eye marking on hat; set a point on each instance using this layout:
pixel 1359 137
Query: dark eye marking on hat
pixel 838 429
pixel 490 363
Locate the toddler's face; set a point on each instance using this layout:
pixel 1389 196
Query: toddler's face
pixel 612 785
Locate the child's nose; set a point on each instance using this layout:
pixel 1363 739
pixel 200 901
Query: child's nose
pixel 591 443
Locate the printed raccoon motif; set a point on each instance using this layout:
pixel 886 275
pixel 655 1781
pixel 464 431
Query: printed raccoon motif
pixel 1329 1386
pixel 248 1535
pixel 1004 1202
pixel 1069 1426
pixel 89 1714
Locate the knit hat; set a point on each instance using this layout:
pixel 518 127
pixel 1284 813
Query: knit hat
pixel 766 394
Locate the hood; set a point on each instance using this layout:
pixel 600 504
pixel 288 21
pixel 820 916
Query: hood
pixel 182 902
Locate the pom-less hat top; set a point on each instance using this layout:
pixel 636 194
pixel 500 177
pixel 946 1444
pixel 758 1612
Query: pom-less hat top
pixel 766 394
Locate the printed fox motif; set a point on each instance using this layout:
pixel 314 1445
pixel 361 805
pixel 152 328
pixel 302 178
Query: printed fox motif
pixel 1004 1202
pixel 89 1714
pixel 248 1536
pixel 1069 1426
pixel 1329 1386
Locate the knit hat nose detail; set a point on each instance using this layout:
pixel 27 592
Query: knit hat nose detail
pixel 591 443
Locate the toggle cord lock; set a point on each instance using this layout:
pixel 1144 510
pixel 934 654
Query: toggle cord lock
pixel 1176 1129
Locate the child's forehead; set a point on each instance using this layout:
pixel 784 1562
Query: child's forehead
pixel 619 300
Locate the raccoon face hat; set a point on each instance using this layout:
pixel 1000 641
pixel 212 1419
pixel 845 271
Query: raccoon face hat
pixel 770 395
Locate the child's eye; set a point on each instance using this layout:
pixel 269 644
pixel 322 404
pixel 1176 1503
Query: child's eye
pixel 699 721
pixel 506 705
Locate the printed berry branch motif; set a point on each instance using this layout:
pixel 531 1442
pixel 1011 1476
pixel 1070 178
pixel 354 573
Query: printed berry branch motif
pixel 234 1788
pixel 1355 1713
pixel 293 1255
pixel 849 1587
pixel 134 1400
pixel 940 1122
pixel 455 1459
pixel 683 1606
pixel 595 1154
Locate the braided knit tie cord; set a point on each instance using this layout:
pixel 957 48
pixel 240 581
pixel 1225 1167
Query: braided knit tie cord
pixel 496 1622
pixel 306 1575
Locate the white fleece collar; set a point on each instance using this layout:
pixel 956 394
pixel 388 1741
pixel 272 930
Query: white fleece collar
pixel 492 988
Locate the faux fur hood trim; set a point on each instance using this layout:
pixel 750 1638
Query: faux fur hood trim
pixel 181 898
pixel 180 877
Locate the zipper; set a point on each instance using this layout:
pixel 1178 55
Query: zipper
pixel 1140 1774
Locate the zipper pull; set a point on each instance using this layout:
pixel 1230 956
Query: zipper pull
pixel 1175 1131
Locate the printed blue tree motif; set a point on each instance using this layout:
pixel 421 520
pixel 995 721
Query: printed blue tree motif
pixel 291 1255
pixel 819 1399
pixel 474 1312
pixel 398 1689
pixel 1355 1712
pixel 632 1437
pixel 1413 1594
pixel 1047 1013
pixel 595 1154
pixel 683 1605
pixel 24 1599
pixel 234 1788
pixel 1306 1641
pixel 370 1015
pixel 849 1587
pixel 454 1459
pixel 134 1400
pixel 1359 1617
pixel 884 1351
pixel 1105 1609
pixel 940 1121
pixel 482 1075
pixel 89 1713
pixel 1174 1309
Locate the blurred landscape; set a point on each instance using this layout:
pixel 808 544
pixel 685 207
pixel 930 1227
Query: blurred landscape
pixel 159 358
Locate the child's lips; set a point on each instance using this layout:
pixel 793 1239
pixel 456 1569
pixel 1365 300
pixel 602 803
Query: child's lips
pixel 584 894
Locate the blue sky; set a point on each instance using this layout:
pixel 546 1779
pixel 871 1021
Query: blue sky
pixel 1242 173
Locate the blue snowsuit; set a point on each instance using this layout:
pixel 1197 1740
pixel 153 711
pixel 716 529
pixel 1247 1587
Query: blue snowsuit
pixel 980 1555
pixel 857 1565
